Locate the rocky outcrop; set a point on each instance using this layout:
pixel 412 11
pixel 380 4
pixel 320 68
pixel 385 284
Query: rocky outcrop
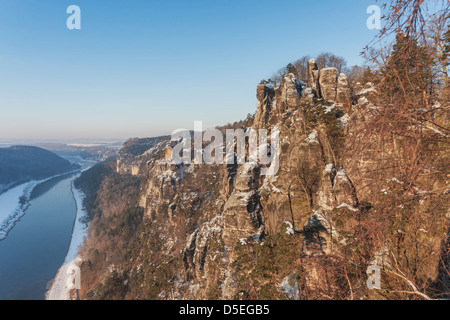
pixel 264 99
pixel 328 83
pixel 318 254
pixel 230 227
pixel 343 92
pixel 161 185
pixel 274 104
pixel 336 189
pixel 313 77
pixel 242 211
pixel 132 158
pixel 326 196
pixel 288 94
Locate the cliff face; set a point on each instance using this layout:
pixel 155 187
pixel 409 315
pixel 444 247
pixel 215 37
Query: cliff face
pixel 131 159
pixel 308 232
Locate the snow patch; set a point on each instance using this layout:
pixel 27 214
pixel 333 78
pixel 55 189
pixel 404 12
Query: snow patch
pixel 59 289
pixel 341 175
pixel 394 179
pixel 290 228
pixel 369 88
pixel 329 168
pixel 344 119
pixel 330 108
pixel 345 205
pixel 363 100
pixel 313 137
pixel 289 286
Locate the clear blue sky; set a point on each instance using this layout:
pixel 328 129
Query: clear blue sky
pixel 147 67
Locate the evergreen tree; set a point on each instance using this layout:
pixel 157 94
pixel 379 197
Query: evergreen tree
pixel 408 71
pixel 446 53
pixel 290 68
pixel 445 58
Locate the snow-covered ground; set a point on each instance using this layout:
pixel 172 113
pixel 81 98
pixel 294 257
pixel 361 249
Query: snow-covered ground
pixel 60 289
pixel 13 204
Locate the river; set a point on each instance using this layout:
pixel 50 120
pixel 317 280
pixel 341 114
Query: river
pixel 36 247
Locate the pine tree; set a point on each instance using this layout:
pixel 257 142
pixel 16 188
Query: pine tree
pixel 408 73
pixel 291 69
pixel 446 53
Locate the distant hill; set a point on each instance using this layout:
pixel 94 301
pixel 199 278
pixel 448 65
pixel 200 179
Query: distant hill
pixel 19 164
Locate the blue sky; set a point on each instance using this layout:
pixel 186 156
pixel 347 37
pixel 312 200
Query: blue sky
pixel 142 68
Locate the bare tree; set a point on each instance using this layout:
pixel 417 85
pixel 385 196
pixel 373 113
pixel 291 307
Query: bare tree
pixel 354 74
pixel 302 68
pixel 436 35
pixel 328 59
pixel 403 138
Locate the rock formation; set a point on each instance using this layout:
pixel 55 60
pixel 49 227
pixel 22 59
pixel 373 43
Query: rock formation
pixel 313 77
pixel 343 92
pixel 264 98
pixel 242 211
pixel 328 83
pixel 221 231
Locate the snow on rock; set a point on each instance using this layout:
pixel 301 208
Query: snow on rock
pixel 275 189
pixel 394 179
pixel 250 166
pixel 363 100
pixel 319 219
pixel 289 227
pixel 329 168
pixel 345 205
pixel 244 197
pixel 313 137
pixel 208 229
pixel 344 119
pixel 341 175
pixel 289 286
pixel 268 184
pixel 367 89
pixel 330 108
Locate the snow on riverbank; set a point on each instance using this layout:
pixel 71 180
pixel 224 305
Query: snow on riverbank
pixel 60 289
pixel 14 203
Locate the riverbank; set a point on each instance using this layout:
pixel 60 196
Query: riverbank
pixel 59 289
pixel 15 202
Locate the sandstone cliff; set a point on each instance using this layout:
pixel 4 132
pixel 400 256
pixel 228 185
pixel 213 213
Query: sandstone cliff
pixel 309 232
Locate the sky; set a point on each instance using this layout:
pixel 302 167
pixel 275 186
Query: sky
pixel 142 68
